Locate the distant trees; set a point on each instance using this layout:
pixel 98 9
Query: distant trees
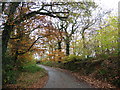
pixel 104 40
pixel 78 13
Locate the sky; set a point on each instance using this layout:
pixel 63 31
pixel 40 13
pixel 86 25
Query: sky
pixel 109 4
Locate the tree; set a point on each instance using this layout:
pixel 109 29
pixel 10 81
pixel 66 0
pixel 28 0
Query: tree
pixel 15 20
pixel 20 21
pixel 106 38
pixel 77 13
pixel 101 41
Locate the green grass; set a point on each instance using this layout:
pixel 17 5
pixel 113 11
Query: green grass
pixel 31 68
pixel 24 77
pixel 53 64
pixel 48 63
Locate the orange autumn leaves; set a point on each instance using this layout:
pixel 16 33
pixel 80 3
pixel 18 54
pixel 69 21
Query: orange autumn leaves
pixel 40 26
pixel 21 38
pixel 56 55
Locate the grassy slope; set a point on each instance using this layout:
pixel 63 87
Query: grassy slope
pixel 103 72
pixel 28 76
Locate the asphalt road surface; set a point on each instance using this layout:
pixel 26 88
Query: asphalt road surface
pixel 61 79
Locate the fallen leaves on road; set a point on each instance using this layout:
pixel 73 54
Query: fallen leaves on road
pixel 94 82
pixel 89 79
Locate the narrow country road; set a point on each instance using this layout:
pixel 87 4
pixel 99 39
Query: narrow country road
pixel 60 79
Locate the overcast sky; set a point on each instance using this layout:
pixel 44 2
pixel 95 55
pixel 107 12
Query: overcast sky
pixel 109 4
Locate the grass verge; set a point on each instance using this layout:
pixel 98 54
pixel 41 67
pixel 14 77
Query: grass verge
pixel 29 76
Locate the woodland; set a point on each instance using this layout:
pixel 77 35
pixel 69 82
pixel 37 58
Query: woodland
pixel 77 36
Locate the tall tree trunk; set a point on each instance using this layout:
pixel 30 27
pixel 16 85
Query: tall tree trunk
pixel 15 60
pixel 8 28
pixel 67 48
pixel 83 38
pixel 59 45
pixel 5 38
pixel 59 48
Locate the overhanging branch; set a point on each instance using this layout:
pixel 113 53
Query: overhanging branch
pixel 30 46
pixel 31 14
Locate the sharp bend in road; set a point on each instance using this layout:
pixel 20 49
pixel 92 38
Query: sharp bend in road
pixel 59 79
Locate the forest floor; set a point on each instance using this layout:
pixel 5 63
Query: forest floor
pixel 30 80
pixel 93 81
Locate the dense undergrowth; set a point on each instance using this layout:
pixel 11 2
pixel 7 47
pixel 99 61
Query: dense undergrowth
pixel 103 67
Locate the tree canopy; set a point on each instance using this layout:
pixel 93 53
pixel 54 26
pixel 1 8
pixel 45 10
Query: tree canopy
pixel 55 30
